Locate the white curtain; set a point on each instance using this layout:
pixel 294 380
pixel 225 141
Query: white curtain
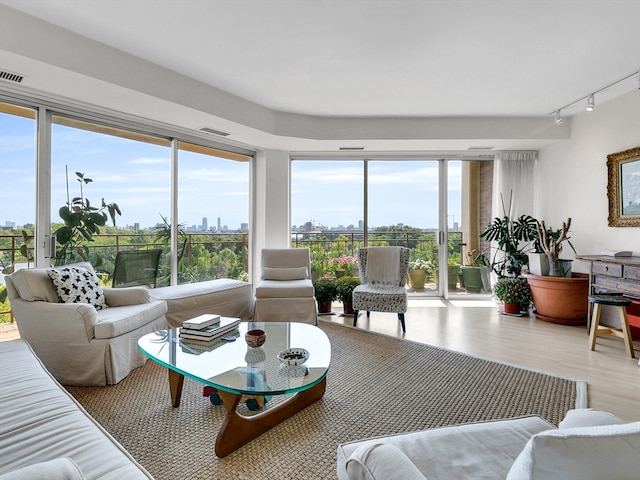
pixel 513 184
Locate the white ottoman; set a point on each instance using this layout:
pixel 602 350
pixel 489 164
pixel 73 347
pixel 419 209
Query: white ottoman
pixel 224 296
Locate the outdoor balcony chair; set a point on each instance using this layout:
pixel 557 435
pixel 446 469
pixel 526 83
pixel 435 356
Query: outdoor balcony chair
pixel 136 268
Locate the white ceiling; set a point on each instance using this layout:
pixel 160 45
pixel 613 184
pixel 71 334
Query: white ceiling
pixel 375 58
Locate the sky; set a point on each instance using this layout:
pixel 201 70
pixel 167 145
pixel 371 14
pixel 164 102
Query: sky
pixel 136 176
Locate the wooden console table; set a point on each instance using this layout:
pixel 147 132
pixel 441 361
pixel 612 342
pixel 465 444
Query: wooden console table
pixel 616 275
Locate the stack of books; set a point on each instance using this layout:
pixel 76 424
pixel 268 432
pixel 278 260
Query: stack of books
pixel 208 327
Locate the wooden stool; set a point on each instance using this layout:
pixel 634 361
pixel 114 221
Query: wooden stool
pixel 620 304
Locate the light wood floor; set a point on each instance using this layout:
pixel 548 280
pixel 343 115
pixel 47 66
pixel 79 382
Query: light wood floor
pixel 476 328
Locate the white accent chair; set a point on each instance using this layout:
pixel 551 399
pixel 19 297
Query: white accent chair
pixel 78 344
pixel 285 291
pixel 383 275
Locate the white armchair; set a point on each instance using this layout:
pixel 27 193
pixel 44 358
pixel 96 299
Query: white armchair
pixel 79 344
pixel 285 291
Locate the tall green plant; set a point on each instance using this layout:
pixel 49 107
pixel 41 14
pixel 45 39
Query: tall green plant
pixel 81 222
pixel 509 234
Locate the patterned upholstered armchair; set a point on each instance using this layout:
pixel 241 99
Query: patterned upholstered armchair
pixel 383 275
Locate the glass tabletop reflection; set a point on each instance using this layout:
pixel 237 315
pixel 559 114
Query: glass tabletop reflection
pixel 235 367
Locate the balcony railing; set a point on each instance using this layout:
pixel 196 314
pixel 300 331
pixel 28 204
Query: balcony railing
pixel 206 256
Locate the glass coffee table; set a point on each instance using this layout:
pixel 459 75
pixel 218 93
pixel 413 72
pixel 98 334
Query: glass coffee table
pixel 236 370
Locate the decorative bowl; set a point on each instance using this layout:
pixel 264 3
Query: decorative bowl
pixel 293 356
pixel 255 338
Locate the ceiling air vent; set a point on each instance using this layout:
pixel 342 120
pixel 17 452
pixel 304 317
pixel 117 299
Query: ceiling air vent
pixel 214 131
pixel 351 149
pixel 10 76
pixel 481 148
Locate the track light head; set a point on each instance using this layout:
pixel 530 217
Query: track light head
pixel 558 119
pixel 590 103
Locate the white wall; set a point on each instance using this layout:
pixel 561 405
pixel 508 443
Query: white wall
pixel 571 178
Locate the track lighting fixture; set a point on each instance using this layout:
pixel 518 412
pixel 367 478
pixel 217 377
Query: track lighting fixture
pixel 558 119
pixel 590 103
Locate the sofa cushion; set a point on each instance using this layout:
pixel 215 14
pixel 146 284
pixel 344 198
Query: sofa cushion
pixel 279 289
pixel 381 461
pixel 77 285
pixel 588 417
pixel 41 421
pixel 293 273
pixel 473 450
pixel 583 453
pixel 34 284
pixel 56 469
pixel 116 321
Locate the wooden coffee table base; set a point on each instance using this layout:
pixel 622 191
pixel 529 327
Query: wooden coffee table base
pixel 238 430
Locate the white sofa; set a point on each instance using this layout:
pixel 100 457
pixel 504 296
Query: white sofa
pixel 45 433
pixel 588 445
pixel 79 344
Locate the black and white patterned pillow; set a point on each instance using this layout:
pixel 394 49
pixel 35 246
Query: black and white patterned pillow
pixel 77 285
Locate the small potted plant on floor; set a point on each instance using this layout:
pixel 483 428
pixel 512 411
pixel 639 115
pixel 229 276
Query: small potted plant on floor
pixel 514 293
pixel 419 270
pixel 326 292
pixel 344 289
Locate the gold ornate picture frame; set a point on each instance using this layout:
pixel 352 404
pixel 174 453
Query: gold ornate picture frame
pixel 623 189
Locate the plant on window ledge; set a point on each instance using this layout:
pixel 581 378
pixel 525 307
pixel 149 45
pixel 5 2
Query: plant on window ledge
pixel 81 222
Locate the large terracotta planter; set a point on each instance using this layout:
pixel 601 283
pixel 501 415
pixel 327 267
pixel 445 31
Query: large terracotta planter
pixel 560 299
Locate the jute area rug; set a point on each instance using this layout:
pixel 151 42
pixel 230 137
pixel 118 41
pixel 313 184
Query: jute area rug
pixel 376 385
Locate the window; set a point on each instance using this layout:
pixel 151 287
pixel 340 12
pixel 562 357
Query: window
pixel 213 213
pixel 17 182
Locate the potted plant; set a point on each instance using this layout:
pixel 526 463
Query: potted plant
pixel 319 262
pixel 81 221
pixel 514 293
pixel 472 271
pixel 558 298
pixel 325 292
pixel 346 265
pixel 419 269
pixel 344 290
pixel 550 242
pixel 512 237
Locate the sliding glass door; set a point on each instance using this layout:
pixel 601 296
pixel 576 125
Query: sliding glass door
pixel 403 205
pixel 405 202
